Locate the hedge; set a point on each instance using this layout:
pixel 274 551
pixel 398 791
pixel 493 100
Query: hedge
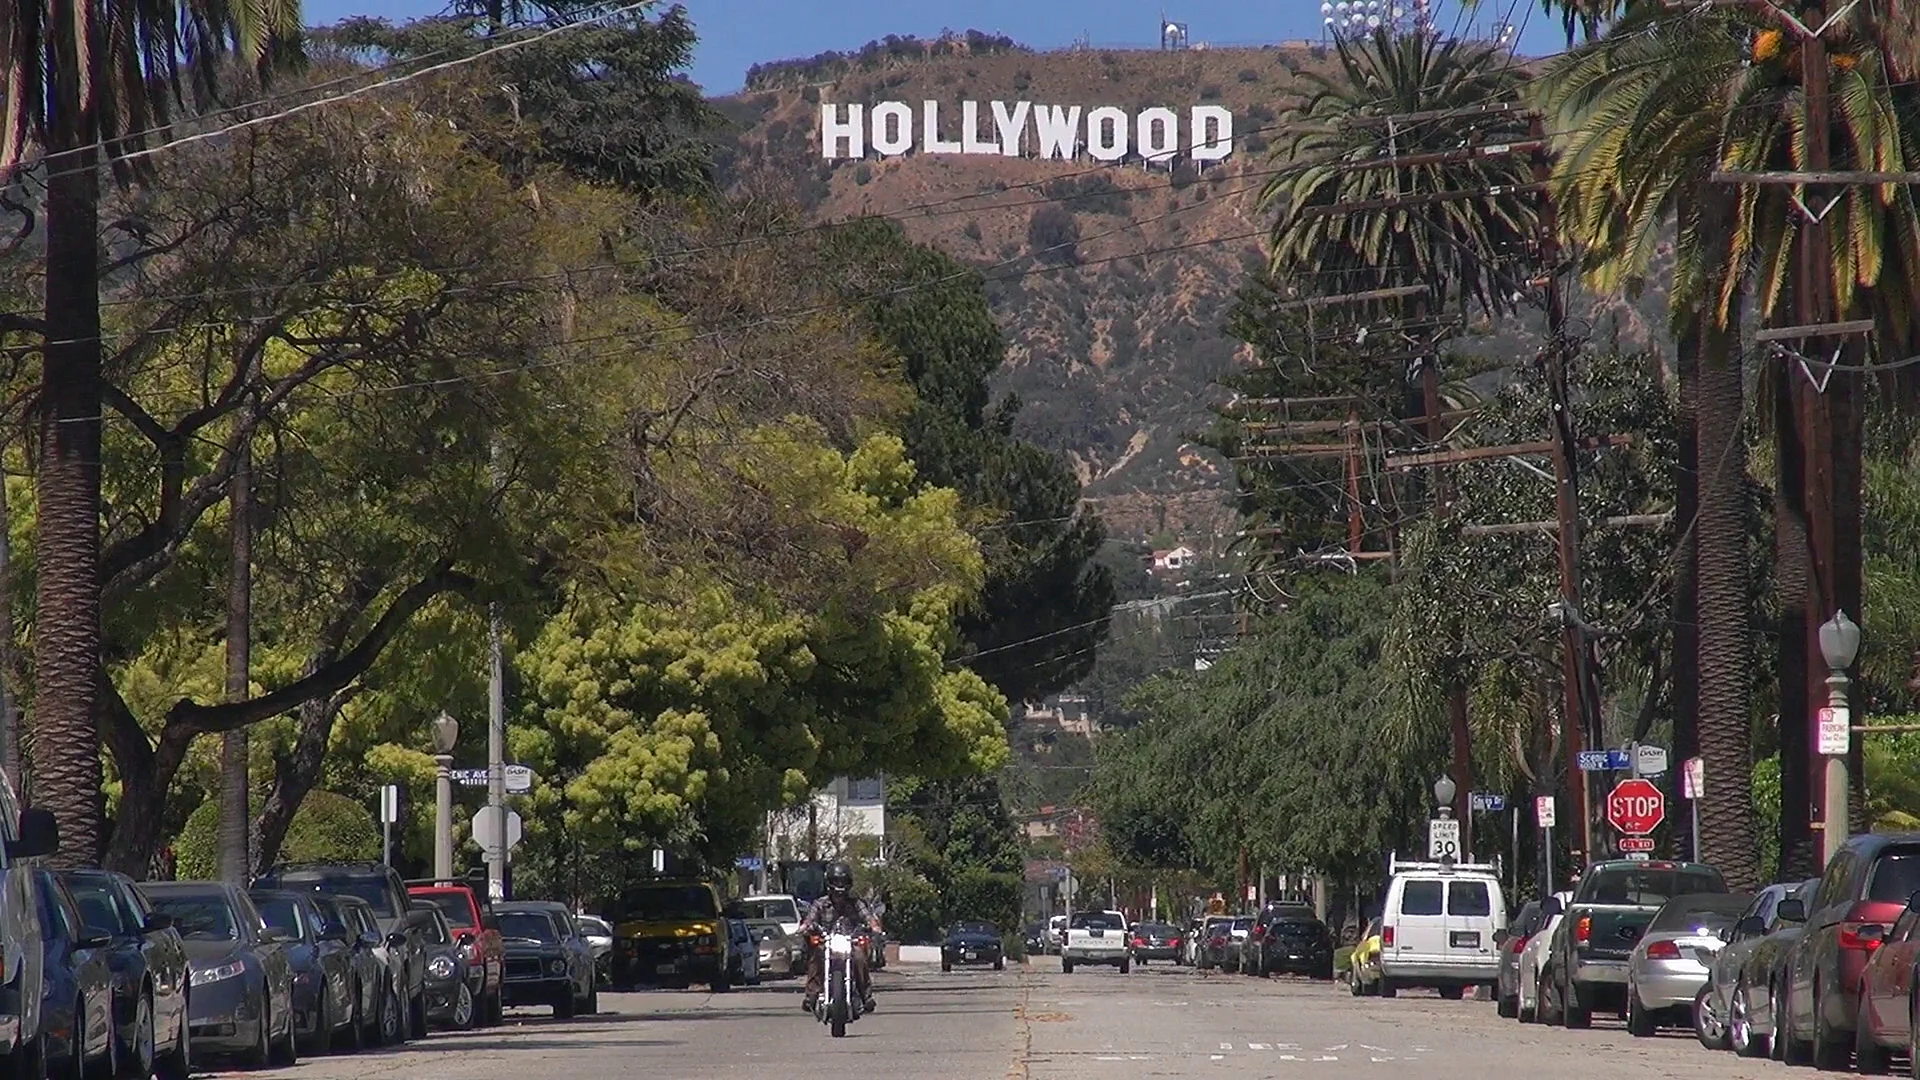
pixel 328 827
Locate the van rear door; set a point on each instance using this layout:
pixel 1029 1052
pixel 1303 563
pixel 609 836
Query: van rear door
pixel 1420 925
pixel 1470 919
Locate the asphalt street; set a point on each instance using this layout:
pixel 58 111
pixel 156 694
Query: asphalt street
pixel 1038 1024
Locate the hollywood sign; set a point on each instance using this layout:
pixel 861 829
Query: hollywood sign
pixel 1105 133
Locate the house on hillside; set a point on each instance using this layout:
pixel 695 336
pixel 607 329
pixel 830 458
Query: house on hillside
pixel 1067 713
pixel 1173 560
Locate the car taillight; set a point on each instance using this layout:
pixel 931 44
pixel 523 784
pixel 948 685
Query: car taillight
pixel 1862 937
pixel 1386 936
pixel 1583 930
pixel 1663 950
pixel 1139 943
pixel 1519 943
pixel 1173 942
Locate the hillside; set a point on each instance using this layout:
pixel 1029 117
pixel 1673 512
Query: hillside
pixel 1113 282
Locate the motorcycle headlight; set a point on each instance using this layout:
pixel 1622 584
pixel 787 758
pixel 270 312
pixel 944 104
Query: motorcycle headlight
pixel 217 973
pixel 440 967
pixel 557 966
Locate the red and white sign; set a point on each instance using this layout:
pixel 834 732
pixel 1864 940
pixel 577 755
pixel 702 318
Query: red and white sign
pixel 1636 843
pixel 1636 807
pixel 1693 778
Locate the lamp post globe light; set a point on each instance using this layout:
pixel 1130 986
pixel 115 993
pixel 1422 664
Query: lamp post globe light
pixel 1839 646
pixel 446 732
pixel 1443 793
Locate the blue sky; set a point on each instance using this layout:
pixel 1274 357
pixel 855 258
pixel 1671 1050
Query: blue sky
pixel 736 34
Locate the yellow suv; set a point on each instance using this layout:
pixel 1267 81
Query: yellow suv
pixel 670 932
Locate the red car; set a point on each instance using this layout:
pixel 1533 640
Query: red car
pixel 475 931
pixel 1884 1014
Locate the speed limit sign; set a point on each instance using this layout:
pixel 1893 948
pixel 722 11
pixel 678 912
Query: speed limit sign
pixel 1443 839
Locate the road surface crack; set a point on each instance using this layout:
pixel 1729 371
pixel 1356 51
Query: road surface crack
pixel 1023 1033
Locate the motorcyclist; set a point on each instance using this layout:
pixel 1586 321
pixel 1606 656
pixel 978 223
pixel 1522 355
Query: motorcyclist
pixel 839 903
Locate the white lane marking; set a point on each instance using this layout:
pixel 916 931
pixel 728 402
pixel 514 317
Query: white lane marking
pixel 1226 1046
pixel 1218 1057
pixel 1259 1046
pixel 1336 1049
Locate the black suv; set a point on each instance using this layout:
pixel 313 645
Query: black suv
pixel 381 888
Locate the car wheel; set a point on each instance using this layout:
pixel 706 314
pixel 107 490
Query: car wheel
pixel 593 1001
pixel 137 1063
pixel 417 1015
pixel 1573 1017
pixel 563 1003
pixel 1385 988
pixel 946 965
pixel 177 1062
pixel 464 1009
pixel 261 1054
pixel 1508 1006
pixel 393 1031
pixel 1708 1028
pixel 1869 1057
pixel 1640 1023
pixel 1787 1046
pixel 1742 1039
pixel 320 1043
pixel 1126 966
pixel 1830 1051
pixel 1066 966
pixel 1000 964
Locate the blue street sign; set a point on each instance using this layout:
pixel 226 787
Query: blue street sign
pixel 1605 760
pixel 1488 802
pixel 469 777
pixel 748 862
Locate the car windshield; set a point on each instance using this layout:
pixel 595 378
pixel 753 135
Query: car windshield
pixel 434 932
pixel 1896 876
pixel 373 890
pixel 779 909
pixel 1303 927
pixel 455 906
pixel 528 926
pixel 199 916
pixel 975 928
pixel 282 913
pixel 97 908
pixel 1647 886
pixel 678 902
pixel 1155 929
pixel 1242 925
pixel 1709 913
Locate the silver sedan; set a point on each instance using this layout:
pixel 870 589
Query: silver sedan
pixel 1670 963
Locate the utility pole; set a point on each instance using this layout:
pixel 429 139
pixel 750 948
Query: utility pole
pixel 236 824
pixel 496 734
pixel 1579 727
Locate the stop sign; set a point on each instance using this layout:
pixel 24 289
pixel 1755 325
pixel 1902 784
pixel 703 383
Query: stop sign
pixel 1636 807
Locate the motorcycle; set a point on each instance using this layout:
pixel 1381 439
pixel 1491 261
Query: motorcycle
pixel 839 1004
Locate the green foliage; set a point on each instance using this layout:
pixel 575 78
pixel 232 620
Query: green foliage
pixel 875 55
pixel 327 827
pixel 978 893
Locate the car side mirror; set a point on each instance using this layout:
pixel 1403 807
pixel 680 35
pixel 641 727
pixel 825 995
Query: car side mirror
pixel 39 834
pixel 1500 936
pixel 1552 907
pixel 1751 926
pixel 369 940
pixel 1791 911
pixel 157 922
pixel 397 940
pixel 464 937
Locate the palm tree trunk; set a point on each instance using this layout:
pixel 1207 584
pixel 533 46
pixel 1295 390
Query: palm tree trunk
pixel 66 768
pixel 1684 660
pixel 1799 857
pixel 9 666
pixel 1725 603
pixel 236 819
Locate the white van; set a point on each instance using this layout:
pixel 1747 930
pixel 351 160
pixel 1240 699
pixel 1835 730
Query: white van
pixel 1437 927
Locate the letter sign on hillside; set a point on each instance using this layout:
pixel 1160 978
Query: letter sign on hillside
pixel 1636 807
pixel 1059 132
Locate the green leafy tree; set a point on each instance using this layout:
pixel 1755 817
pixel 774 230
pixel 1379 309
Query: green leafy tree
pixel 328 827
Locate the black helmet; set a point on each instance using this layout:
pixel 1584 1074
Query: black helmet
pixel 839 879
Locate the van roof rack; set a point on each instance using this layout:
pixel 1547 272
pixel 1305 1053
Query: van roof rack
pixel 1397 865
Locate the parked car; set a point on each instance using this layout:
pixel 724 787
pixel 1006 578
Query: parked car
pixel 1512 942
pixel 1669 964
pixel 474 932
pixel 781 954
pixel 1036 939
pixel 1884 1014
pixel 972 942
pixel 149 965
pixel 1154 941
pixel 780 907
pixel 390 1010
pixel 454 983
pixel 1095 937
pixel 1287 938
pixel 1612 905
pixel 671 932
pixel 240 996
pixel 79 987
pixel 1712 1006
pixel 1864 890
pixel 380 888
pixel 599 936
pixel 743 954
pixel 371 983
pixel 25 833
pixel 548 962
pixel 322 971
pixel 1753 1022
pixel 1202 933
pixel 1533 957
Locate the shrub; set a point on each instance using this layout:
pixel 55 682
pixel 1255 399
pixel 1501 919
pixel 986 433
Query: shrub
pixel 1210 92
pixel 972 231
pixel 328 827
pixel 1249 75
pixel 977 893
pixel 1052 233
pixel 863 174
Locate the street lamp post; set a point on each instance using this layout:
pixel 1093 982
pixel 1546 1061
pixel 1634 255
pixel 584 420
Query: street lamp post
pixel 446 731
pixel 1839 645
pixel 1443 793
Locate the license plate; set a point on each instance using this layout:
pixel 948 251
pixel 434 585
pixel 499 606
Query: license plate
pixel 666 969
pixel 970 955
pixel 1466 939
pixel 1096 932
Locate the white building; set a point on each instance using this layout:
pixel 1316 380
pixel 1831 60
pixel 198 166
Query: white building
pixel 837 818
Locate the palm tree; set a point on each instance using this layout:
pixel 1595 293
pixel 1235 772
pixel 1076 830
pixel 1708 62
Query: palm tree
pixel 1449 247
pixel 90 81
pixel 1645 113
